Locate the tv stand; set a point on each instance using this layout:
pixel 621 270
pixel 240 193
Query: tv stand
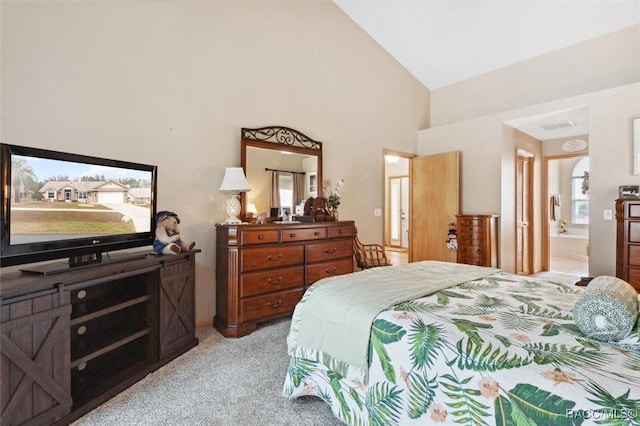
pixel 83 261
pixel 74 339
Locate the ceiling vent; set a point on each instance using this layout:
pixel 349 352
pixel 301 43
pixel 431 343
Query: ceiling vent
pixel 559 125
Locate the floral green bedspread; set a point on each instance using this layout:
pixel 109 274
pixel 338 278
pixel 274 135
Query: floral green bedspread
pixel 502 350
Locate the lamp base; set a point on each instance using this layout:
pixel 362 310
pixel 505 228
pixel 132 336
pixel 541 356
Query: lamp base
pixel 233 209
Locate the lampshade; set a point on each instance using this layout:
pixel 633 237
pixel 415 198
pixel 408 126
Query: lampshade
pixel 234 181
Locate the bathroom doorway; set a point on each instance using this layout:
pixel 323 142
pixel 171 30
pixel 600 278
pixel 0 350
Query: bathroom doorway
pixel 567 230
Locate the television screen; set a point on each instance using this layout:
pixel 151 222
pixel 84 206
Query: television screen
pixel 57 204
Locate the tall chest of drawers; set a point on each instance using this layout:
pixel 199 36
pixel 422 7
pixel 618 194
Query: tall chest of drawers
pixel 628 241
pixel 478 239
pixel 262 271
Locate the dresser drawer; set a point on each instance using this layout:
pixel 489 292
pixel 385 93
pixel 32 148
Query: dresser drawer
pixel 634 255
pixel 328 269
pixel 302 234
pixel 335 249
pixel 269 306
pixel 634 210
pixel 259 236
pixel 471 260
pixel 634 232
pixel 255 283
pixel 275 256
pixel 340 231
pixel 634 278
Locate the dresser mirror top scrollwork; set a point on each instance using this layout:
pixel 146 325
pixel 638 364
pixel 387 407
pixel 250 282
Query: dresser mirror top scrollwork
pixel 279 160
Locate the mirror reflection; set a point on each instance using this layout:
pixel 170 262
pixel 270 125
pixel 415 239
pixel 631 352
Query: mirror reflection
pixel 279 179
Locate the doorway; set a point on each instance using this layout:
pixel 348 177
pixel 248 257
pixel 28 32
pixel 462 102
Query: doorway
pixel 566 230
pixel 398 212
pixel 396 206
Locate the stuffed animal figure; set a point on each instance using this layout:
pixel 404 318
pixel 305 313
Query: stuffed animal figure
pixel 167 239
pixel 262 218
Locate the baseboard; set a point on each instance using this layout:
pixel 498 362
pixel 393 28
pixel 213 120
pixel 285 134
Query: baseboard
pixel 204 322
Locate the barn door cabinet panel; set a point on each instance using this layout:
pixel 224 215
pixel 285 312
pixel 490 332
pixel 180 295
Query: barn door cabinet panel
pixel 177 306
pixel 35 367
pixel 87 334
pixel 262 271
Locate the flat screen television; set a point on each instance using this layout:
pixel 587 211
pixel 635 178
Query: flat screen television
pixel 57 205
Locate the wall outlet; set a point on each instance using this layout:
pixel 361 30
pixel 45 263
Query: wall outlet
pixel 608 215
pixel 377 212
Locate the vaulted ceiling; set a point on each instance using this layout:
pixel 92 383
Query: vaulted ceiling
pixel 442 42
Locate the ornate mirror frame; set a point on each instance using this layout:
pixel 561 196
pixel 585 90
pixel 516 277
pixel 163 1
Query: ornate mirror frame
pixel 279 138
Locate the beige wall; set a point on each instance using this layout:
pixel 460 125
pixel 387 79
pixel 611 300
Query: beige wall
pixel 488 166
pixel 172 83
pixel 597 64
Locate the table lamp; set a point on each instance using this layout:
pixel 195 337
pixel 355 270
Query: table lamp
pixel 233 184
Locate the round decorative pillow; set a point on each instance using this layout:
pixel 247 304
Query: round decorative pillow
pixel 607 310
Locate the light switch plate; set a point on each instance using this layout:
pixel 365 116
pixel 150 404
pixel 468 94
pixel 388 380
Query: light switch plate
pixel 608 215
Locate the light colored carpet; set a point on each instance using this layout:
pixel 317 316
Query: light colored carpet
pixel 219 382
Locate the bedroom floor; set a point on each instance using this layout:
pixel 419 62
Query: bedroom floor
pixel 396 256
pixel 569 266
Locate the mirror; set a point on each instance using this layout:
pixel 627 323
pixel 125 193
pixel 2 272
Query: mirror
pixel 278 149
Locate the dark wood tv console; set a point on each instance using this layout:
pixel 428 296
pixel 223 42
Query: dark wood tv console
pixel 72 340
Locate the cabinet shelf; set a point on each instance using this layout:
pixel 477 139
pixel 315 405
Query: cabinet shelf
pixel 115 366
pixel 103 350
pixel 110 309
pixel 108 296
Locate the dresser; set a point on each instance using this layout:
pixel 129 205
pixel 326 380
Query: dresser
pixel 628 241
pixel 478 239
pixel 262 271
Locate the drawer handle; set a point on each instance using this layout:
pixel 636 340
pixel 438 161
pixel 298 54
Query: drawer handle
pixel 292 235
pixel 330 250
pixel 276 281
pixel 274 305
pixel 274 258
pixel 261 237
pixel 316 233
pixel 340 231
pixel 331 271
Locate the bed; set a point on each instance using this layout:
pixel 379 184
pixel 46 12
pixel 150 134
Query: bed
pixel 484 347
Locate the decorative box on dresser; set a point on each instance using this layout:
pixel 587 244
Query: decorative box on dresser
pixel 628 241
pixel 262 271
pixel 477 239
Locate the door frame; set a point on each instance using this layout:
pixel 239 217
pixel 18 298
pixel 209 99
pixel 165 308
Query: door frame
pixel 546 243
pixel 529 183
pixel 385 192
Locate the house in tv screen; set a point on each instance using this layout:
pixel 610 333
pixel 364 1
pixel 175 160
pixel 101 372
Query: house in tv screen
pixel 90 192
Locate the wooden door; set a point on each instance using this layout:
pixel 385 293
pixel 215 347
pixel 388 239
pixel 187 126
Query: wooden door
pixel 435 202
pixel 524 203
